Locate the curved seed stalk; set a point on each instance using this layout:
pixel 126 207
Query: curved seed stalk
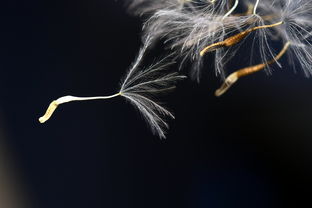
pixel 232 78
pixel 233 40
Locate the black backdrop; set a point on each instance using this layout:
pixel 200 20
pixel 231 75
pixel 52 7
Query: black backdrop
pixel 249 148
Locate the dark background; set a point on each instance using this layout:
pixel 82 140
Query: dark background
pixel 249 148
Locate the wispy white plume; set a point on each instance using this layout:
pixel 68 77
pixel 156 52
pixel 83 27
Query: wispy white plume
pixel 187 33
pixel 140 7
pixel 141 85
pixel 297 28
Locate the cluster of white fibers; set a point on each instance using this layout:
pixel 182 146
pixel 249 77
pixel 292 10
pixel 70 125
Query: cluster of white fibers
pixel 140 86
pixel 148 7
pixel 297 28
pixel 187 27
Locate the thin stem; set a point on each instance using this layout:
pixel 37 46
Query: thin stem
pixel 231 10
pixel 267 26
pixel 66 99
pixel 69 98
pixel 255 7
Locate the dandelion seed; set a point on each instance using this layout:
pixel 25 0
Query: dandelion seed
pixel 139 87
pixel 232 78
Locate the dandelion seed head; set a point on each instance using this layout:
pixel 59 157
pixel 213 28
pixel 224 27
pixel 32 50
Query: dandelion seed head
pixel 187 33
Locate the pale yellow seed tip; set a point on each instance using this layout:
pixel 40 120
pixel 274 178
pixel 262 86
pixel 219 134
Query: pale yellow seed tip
pixel 52 107
pixel 229 81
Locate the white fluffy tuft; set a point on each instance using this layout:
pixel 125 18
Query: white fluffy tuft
pixel 141 85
